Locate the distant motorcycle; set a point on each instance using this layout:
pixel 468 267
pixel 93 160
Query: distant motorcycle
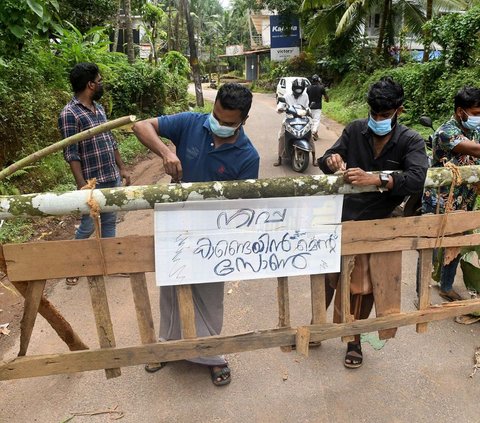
pixel 298 134
pixel 213 84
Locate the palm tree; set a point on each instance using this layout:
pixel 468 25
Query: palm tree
pixel 129 31
pixel 193 54
pixel 347 18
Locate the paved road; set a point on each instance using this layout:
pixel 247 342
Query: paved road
pixel 413 378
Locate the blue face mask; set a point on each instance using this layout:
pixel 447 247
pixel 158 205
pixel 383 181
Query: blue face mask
pixel 472 123
pixel 220 130
pixel 381 127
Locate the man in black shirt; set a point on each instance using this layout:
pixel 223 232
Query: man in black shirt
pixel 378 143
pixel 316 92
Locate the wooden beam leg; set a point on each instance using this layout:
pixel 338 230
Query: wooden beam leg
pixel 302 339
pixel 317 286
pixel 348 262
pixel 283 307
pixel 425 277
pixel 48 311
pixel 386 276
pixel 103 320
pixel 33 297
pixel 143 309
pixel 187 311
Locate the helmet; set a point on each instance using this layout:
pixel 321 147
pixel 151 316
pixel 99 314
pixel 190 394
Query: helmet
pixel 298 86
pixel 316 78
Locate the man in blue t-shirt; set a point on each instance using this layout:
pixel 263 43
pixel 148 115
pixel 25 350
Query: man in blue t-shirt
pixel 209 147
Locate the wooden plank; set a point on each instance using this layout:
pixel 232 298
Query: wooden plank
pixel 386 276
pixel 48 311
pixel 186 310
pixel 33 297
pixel 400 243
pixel 425 226
pixel 60 259
pixel 425 277
pixel 283 299
pixel 317 287
pixel 348 263
pixel 143 310
pixel 101 311
pixel 80 361
pixel 302 339
pixel 135 254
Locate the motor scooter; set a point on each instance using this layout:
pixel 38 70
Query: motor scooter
pixel 298 135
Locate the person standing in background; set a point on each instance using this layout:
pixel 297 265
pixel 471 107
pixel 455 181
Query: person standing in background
pixel 97 157
pixel 316 92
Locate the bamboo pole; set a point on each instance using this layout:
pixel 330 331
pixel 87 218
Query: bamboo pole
pixel 104 127
pixel 145 197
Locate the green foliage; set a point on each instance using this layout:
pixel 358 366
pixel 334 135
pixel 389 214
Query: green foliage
pixel 22 21
pixel 429 90
pixel 177 63
pixel 145 90
pixel 15 231
pixel 74 47
pixel 129 146
pixel 86 14
pixel 457 33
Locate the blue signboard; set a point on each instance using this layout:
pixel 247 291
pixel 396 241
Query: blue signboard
pixel 284 33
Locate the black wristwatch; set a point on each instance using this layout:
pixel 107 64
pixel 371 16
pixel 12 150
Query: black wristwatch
pixel 384 179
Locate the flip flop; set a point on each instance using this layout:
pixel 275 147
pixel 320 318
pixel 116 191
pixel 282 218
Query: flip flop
pixel 353 357
pixel 222 376
pixel 154 367
pixel 467 319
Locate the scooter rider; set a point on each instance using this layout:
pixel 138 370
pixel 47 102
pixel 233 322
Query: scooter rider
pixel 298 97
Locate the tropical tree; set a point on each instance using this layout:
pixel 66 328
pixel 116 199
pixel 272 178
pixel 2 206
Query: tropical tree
pixel 86 14
pixel 24 20
pixel 347 19
pixel 193 54
pixel 153 17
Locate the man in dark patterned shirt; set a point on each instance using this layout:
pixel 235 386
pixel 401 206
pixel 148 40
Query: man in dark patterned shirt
pixel 456 141
pixel 97 157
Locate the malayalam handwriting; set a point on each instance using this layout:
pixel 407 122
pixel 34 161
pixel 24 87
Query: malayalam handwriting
pixel 245 217
pixel 177 268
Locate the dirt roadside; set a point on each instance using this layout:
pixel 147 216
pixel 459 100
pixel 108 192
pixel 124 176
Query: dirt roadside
pixel 147 170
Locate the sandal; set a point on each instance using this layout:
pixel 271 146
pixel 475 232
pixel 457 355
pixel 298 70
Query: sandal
pixel 154 367
pixel 72 281
pixel 354 357
pixel 221 376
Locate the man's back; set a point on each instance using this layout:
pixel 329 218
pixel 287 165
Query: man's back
pixel 315 93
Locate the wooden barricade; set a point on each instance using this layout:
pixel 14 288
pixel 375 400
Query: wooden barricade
pixel 29 265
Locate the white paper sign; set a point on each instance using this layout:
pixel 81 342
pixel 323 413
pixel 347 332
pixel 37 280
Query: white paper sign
pixel 214 241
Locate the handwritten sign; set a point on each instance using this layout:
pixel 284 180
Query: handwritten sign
pixel 214 241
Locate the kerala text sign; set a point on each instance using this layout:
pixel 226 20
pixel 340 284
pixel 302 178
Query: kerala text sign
pixel 213 241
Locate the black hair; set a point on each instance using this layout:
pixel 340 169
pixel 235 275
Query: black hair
pixel 467 97
pixel 81 74
pixel 385 94
pixel 233 96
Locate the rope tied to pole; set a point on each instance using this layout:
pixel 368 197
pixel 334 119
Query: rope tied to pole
pixel 95 215
pixel 456 181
